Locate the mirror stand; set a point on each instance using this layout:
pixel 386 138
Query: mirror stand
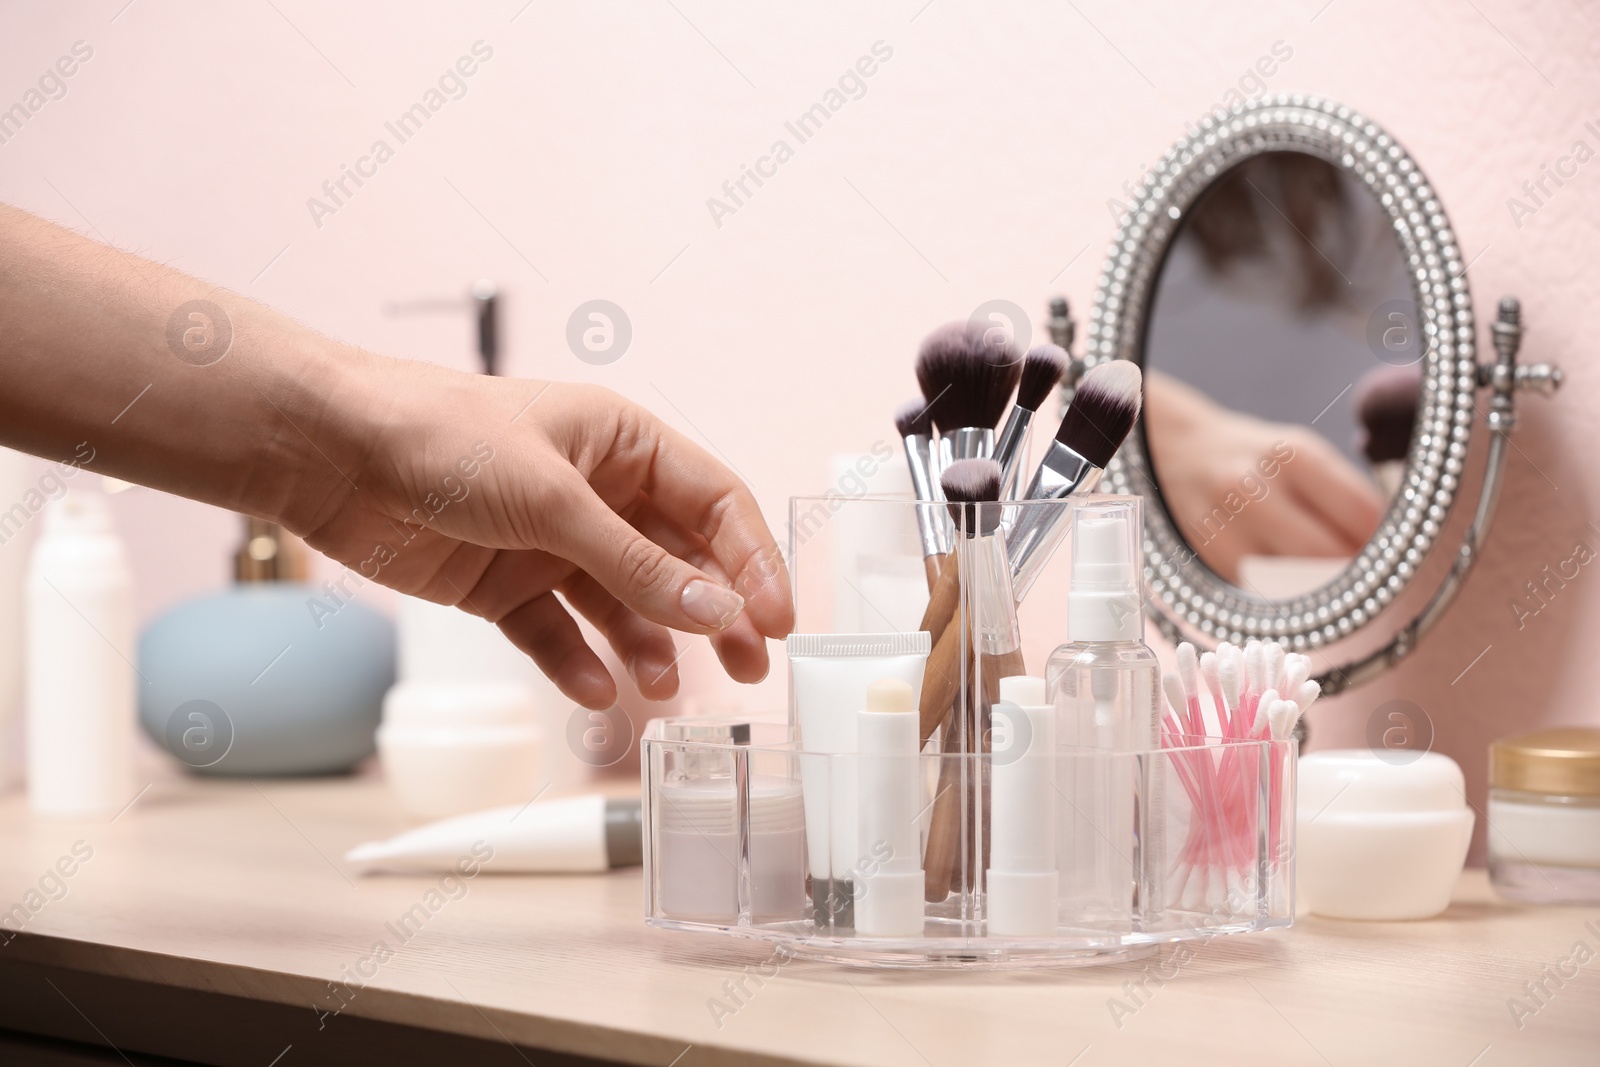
pixel 1504 378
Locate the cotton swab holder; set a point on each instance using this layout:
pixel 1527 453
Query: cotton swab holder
pixel 1202 822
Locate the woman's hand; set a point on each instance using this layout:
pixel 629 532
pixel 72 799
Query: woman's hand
pixel 496 494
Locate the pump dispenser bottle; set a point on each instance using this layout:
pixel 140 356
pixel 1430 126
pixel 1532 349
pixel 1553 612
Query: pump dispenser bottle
pixel 1104 683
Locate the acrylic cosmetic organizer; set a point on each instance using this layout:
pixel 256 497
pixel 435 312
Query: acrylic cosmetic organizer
pixel 752 833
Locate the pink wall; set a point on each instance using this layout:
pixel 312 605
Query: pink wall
pixel 977 165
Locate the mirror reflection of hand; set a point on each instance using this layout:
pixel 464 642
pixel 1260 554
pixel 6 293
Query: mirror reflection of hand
pixel 1240 486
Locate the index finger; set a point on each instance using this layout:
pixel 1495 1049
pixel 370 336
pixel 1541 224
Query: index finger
pixel 692 488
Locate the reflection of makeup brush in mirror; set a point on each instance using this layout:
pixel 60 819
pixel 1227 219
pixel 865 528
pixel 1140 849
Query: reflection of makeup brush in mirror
pixel 1042 369
pixel 967 374
pixel 1097 421
pixel 1386 401
pixel 914 422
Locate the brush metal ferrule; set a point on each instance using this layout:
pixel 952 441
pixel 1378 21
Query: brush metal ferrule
pixel 1037 532
pixel 970 442
pixel 932 521
pixel 1008 449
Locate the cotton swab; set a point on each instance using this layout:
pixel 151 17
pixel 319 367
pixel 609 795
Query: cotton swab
pixel 1208 671
pixel 1177 698
pixel 1257 694
pixel 1282 717
pixel 1255 667
pixel 1189 678
pixel 1276 656
pixel 1296 669
pixel 1264 706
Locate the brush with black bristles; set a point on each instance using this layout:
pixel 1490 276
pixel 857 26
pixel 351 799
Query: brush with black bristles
pixel 972 488
pixel 967 373
pixel 1042 369
pixel 914 422
pixel 1098 420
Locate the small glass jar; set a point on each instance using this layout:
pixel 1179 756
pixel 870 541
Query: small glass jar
pixel 1544 816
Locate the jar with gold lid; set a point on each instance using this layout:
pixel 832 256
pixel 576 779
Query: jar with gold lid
pixel 1544 816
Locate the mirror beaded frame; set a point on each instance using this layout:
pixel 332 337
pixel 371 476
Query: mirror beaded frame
pixel 1187 598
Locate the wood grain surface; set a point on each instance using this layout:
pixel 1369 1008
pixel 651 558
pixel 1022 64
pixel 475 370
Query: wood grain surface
pixel 236 890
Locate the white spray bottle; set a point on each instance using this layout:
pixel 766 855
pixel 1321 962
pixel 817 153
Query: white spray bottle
pixel 1105 684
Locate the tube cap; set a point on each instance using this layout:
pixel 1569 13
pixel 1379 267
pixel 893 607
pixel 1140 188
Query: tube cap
pixel 1104 603
pixel 1024 690
pixel 1022 905
pixel 889 904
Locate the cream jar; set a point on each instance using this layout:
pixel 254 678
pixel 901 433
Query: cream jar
pixel 1544 816
pixel 449 749
pixel 1380 835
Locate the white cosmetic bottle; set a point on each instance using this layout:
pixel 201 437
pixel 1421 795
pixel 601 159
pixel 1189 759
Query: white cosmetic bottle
pixel 1023 880
pixel 1104 684
pixel 80 676
pixel 15 540
pixel 888 900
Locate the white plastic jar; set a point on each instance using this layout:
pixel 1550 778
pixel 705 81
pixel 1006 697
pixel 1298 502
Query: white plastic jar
pixel 452 749
pixel 1380 835
pixel 1544 816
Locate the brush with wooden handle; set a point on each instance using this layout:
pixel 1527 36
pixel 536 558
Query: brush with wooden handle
pixel 989 632
pixel 967 375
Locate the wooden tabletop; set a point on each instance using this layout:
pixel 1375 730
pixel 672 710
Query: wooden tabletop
pixel 215 922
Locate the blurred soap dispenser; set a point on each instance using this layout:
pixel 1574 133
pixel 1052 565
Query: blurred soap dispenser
pixel 273 676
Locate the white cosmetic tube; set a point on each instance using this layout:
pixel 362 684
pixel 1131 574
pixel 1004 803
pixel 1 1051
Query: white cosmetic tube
pixel 889 890
pixel 1022 879
pixel 829 675
pixel 572 835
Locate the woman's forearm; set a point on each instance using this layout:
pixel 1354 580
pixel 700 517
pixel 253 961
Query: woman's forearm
pixel 168 381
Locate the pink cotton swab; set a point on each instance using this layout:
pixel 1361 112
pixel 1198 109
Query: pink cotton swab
pixel 1257 693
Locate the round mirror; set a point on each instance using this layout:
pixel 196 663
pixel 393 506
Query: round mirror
pixel 1291 287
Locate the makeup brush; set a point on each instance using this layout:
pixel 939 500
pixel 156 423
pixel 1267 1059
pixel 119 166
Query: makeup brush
pixel 1386 401
pixel 967 373
pixel 914 422
pixel 972 489
pixel 1098 420
pixel 1042 369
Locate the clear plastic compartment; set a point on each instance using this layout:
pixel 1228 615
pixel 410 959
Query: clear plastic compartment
pixel 748 833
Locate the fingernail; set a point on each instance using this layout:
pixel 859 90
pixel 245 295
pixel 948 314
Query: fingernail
pixel 711 605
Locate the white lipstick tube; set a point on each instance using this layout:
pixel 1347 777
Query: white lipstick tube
pixel 1022 880
pixel 888 900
